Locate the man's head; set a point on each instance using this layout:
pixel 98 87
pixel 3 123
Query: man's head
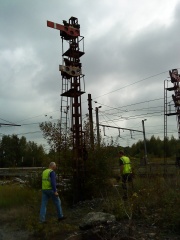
pixel 121 153
pixel 52 165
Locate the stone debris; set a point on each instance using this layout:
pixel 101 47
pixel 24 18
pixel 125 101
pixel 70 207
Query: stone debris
pixel 93 219
pixel 14 180
pixel 19 180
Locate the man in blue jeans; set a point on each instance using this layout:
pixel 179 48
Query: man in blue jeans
pixel 49 191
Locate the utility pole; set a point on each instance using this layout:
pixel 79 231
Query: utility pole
pixel 91 121
pixel 145 149
pixel 97 125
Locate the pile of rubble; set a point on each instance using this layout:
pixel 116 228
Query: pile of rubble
pixel 13 181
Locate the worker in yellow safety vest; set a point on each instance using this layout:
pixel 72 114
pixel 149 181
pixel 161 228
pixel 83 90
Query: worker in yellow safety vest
pixel 125 172
pixel 49 191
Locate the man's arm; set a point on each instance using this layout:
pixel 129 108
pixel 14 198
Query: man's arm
pixel 121 169
pixel 53 182
pixel 121 166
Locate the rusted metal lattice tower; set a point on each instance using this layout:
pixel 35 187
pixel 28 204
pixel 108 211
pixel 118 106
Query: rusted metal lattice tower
pixel 175 80
pixel 71 89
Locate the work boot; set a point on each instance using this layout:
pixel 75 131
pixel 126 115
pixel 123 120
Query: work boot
pixel 61 219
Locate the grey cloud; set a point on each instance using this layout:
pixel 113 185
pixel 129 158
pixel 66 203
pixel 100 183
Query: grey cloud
pixel 113 58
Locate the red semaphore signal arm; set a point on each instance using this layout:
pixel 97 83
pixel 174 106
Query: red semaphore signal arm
pixel 71 31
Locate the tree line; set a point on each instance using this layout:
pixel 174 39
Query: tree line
pixel 19 152
pixel 156 148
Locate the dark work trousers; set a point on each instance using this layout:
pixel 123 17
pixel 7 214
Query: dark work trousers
pixel 127 179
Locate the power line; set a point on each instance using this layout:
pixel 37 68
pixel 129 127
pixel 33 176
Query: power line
pixel 130 84
pixel 25 124
pixel 136 135
pixel 37 116
pixel 28 133
pixel 152 100
pixel 135 117
pixel 10 123
pixel 116 114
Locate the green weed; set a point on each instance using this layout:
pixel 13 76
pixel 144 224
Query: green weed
pixel 14 196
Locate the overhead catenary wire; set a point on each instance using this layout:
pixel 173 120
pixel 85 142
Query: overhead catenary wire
pixel 133 104
pixel 139 109
pixel 28 133
pixel 112 120
pixel 141 80
pixel 131 84
pixel 119 108
pixel 136 135
pixel 151 100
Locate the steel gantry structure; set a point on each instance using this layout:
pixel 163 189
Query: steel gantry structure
pixel 71 72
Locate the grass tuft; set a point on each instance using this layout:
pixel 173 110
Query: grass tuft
pixel 14 196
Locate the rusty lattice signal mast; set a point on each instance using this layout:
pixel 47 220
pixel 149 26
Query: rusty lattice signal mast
pixel 72 77
pixel 175 102
pixel 175 80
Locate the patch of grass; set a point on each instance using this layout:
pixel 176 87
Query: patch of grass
pixel 14 196
pixel 155 200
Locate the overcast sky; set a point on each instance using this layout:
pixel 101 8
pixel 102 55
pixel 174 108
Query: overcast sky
pixel 129 48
